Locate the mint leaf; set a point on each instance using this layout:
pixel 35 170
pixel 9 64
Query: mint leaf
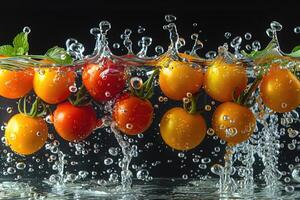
pixel 296 48
pixel 295 52
pixel 21 44
pixel 6 50
pixel 59 56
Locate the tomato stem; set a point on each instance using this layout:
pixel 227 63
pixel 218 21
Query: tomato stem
pixel 244 97
pixel 146 91
pixel 191 106
pixel 34 110
pixel 81 97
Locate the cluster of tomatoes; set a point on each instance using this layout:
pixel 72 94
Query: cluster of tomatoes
pixel 182 128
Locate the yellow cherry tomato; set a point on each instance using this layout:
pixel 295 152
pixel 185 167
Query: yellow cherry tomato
pixel 222 80
pixel 25 135
pixel 233 123
pixel 181 130
pixel 179 78
pixel 52 84
pixel 280 90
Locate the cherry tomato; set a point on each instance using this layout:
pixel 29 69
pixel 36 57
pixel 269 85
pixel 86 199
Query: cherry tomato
pixel 74 123
pixel 15 84
pixel 103 82
pixel 222 80
pixel 132 114
pixel 179 78
pixel 25 135
pixel 181 130
pixel 233 123
pixel 52 84
pixel 280 90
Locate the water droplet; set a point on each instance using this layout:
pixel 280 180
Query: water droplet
pixel 227 35
pixel 270 32
pixel 248 36
pixel 296 173
pixel 136 83
pixel 211 54
pixel 185 176
pixel 104 26
pixel 195 24
pixel 297 30
pixel 116 45
pixel 142 174
pixel 170 18
pixel 11 170
pixel 129 126
pixel 217 169
pixel 159 50
pixel 26 29
pixel 113 151
pixel 9 109
pixel 256 45
pixel 73 88
pixel 236 42
pixel 107 94
pixel 276 26
pixel 141 29
pixel 289 189
pixel 20 165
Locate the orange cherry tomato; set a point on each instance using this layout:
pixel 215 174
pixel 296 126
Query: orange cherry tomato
pixel 181 130
pixel 280 90
pixel 222 80
pixel 15 84
pixel 25 135
pixel 74 123
pixel 52 84
pixel 132 114
pixel 233 123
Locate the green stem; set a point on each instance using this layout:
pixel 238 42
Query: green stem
pixel 244 98
pixel 34 110
pixel 81 97
pixel 191 106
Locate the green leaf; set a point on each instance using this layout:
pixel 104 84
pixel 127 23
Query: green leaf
pixel 296 48
pixel 258 54
pixel 295 52
pixel 21 44
pixel 6 50
pixel 59 56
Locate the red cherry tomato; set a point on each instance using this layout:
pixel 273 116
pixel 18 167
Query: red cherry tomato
pixel 132 114
pixel 103 81
pixel 74 123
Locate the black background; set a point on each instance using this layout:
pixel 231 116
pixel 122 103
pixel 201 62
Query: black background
pixel 53 22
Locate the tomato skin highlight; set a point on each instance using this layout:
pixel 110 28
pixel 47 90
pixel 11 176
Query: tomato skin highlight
pixel 178 79
pixel 181 130
pixel 15 84
pixel 221 80
pixel 132 114
pixel 103 82
pixel 233 123
pixel 280 90
pixel 52 84
pixel 26 135
pixel 74 123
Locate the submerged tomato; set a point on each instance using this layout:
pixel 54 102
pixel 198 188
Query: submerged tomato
pixel 15 84
pixel 25 135
pixel 52 84
pixel 74 123
pixel 181 130
pixel 132 114
pixel 233 123
pixel 179 78
pixel 103 82
pixel 222 80
pixel 280 90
